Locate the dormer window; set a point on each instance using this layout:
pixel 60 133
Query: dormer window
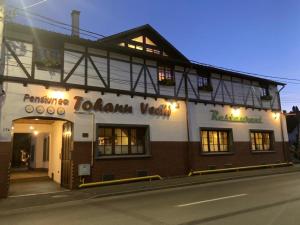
pixel 204 83
pixel 166 76
pixel 143 43
pixel 265 93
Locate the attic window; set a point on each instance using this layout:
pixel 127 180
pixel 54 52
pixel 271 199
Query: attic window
pixel 143 43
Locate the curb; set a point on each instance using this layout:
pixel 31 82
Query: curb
pixel 148 189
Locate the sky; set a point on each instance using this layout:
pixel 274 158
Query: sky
pixel 256 36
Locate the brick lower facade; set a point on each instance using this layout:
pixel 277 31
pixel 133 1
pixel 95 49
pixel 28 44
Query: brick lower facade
pixel 167 159
pixel 171 159
pixel 5 155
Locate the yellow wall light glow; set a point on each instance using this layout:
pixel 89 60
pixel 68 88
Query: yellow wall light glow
pixel 174 105
pixel 276 115
pixel 56 94
pixel 236 112
pixel 35 132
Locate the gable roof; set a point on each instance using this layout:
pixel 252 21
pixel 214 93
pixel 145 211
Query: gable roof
pixel 151 33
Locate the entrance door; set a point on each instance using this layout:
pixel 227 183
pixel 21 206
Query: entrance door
pixel 67 147
pixel 22 153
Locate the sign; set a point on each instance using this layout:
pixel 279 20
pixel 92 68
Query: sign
pixel 100 106
pixel 231 118
pixel 54 104
pixel 49 105
pixel 84 170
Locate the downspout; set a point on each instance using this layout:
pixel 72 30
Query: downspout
pixel 93 133
pixel 189 167
pixel 285 153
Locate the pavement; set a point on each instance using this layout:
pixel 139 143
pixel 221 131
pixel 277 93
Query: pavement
pixel 272 198
pixel 16 202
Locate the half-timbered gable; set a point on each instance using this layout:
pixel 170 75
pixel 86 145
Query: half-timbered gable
pixel 135 62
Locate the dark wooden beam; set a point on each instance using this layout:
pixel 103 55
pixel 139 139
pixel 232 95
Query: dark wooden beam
pixel 17 59
pixel 97 71
pixel 73 69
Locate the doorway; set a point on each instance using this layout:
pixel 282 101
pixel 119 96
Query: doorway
pixel 40 160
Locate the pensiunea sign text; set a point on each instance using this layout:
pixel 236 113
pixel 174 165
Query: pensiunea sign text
pixel 231 118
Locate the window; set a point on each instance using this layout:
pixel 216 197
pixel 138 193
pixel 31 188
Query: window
pixel 215 140
pixel 121 140
pixel 265 91
pixel 143 43
pixel 261 140
pixel 47 58
pixel 166 76
pixel 203 81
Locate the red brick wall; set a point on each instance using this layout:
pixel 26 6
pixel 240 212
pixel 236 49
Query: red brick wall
pixel 169 159
pixel 241 156
pixel 5 155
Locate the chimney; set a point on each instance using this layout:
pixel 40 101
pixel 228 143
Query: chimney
pixel 75 23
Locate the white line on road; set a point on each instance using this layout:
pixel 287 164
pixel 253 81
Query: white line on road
pixel 212 200
pixel 42 193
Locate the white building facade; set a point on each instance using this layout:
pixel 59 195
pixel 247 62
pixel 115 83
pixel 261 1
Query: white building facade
pixel 130 105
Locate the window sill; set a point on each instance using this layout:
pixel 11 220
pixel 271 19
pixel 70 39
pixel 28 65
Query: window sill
pixel 262 152
pixel 123 157
pixel 217 153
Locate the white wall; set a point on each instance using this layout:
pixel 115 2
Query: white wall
pixel 171 128
pixel 200 116
pixel 55 153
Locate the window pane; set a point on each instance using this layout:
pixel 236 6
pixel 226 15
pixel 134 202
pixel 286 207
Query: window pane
pixel 215 141
pixel 260 141
pixel 118 149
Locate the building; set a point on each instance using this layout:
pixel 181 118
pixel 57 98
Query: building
pixel 128 105
pixel 293 128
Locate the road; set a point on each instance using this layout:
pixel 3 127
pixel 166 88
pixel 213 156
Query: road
pixel 272 200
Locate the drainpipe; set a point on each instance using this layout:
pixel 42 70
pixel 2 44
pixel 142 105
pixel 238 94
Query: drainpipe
pixel 187 111
pixel 93 133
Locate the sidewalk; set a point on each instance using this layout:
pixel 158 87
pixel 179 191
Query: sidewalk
pixel 15 203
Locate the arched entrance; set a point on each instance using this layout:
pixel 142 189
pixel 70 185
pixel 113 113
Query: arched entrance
pixel 41 155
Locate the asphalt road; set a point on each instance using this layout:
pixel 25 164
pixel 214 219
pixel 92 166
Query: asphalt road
pixel 272 200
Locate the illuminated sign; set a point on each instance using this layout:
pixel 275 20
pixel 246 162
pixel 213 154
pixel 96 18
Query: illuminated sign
pixel 100 106
pixel 231 118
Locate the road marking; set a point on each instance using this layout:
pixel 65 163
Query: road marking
pixel 42 193
pixel 212 200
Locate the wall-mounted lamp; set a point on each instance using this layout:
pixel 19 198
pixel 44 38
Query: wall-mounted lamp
pixel 174 105
pixel 31 128
pixel 67 134
pixel 35 133
pixel 57 94
pixel 235 111
pixel 276 115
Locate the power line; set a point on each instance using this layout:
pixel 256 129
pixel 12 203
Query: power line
pixel 25 13
pixel 242 72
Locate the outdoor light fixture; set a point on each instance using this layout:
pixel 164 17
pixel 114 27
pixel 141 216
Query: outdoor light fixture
pixel 31 127
pixel 276 115
pixel 68 133
pixel 35 133
pixel 235 111
pixel 57 94
pixel 174 105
